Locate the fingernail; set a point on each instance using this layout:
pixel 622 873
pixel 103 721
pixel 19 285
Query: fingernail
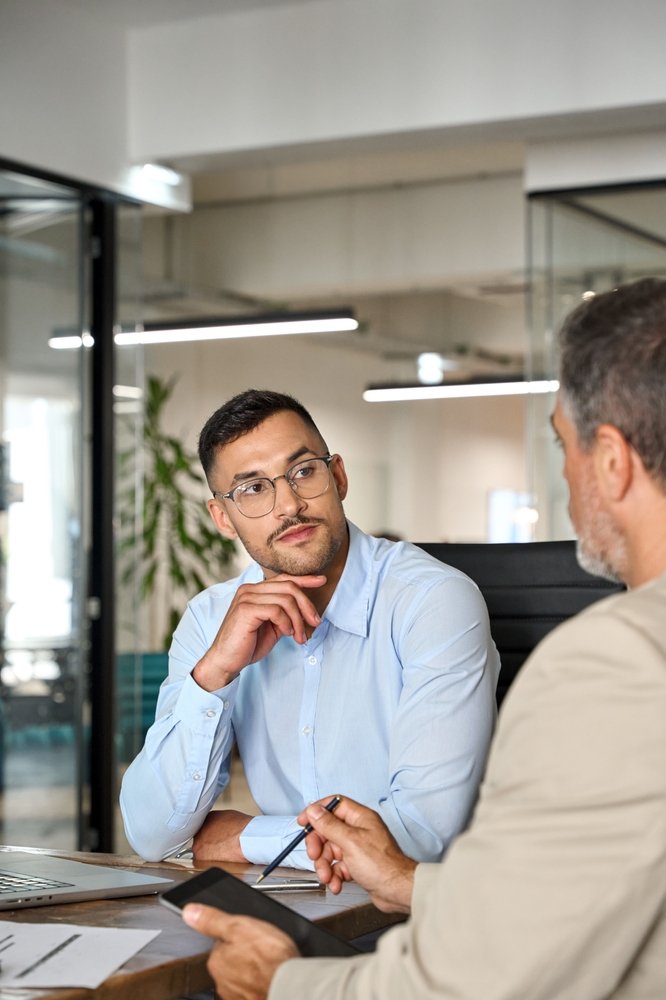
pixel 315 812
pixel 191 913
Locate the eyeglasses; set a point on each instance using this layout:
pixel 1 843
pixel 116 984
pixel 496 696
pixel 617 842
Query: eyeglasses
pixel 256 497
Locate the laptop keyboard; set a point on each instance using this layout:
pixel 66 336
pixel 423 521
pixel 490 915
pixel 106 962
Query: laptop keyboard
pixel 10 883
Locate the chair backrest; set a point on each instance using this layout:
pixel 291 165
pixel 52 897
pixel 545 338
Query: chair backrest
pixel 529 588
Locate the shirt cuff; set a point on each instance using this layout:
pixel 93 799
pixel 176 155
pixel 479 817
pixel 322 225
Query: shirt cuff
pixel 265 837
pixel 193 701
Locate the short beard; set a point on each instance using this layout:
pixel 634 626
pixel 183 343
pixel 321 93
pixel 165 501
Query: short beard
pixel 596 564
pixel 294 565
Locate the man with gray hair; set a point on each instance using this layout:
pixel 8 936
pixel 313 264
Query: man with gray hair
pixel 558 887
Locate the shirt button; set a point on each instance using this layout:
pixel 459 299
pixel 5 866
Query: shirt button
pixel 210 714
pixel 196 776
pixel 306 730
pixel 312 660
pixel 225 705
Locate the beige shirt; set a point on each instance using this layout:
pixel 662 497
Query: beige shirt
pixel 558 888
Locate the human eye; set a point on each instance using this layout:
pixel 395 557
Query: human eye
pixel 304 470
pixel 255 488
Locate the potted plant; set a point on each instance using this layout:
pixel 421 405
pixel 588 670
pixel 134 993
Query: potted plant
pixel 168 550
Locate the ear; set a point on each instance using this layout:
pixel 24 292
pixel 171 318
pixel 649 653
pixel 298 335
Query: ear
pixel 221 519
pixel 337 468
pixel 613 462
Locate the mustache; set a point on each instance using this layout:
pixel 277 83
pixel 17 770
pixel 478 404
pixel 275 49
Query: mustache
pixel 293 522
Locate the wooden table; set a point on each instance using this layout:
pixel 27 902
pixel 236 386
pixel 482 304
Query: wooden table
pixel 173 964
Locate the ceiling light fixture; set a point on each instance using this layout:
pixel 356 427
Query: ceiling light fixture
pixel 70 341
pixel 224 328
pixel 220 328
pixel 431 367
pixel 460 390
pixel 162 174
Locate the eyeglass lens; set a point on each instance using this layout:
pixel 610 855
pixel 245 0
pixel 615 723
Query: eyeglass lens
pixel 307 479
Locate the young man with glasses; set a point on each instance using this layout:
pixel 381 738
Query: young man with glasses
pixel 335 661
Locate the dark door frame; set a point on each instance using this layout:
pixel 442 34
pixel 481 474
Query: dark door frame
pixel 99 273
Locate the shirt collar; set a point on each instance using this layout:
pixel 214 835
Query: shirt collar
pixel 348 608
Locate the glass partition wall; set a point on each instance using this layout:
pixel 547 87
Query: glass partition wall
pixel 58 711
pixel 43 588
pixel 581 243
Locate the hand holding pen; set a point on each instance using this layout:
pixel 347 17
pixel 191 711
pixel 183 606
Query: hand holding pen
pixel 308 828
pixel 356 845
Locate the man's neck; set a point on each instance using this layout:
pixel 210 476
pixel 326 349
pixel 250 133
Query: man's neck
pixel 322 596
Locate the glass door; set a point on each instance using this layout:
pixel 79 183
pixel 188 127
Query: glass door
pixel 580 244
pixel 43 612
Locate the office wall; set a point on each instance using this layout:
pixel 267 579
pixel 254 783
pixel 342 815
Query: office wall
pixel 421 469
pixel 63 80
pixel 87 98
pixel 415 236
pixel 336 71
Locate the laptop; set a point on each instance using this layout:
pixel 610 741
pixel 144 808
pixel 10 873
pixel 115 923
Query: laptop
pixel 28 879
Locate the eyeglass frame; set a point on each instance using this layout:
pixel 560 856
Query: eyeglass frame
pixel 229 495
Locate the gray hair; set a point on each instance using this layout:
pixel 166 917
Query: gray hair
pixel 613 368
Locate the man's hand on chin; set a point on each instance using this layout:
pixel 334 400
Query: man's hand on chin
pixel 219 837
pixel 247 954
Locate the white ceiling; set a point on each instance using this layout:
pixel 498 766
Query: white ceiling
pixel 372 163
pixel 146 13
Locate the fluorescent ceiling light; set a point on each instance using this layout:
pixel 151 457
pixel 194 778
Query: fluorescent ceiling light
pixel 70 341
pixel 461 390
pixel 223 328
pixel 128 392
pixel 244 326
pixel 165 175
pixel 431 367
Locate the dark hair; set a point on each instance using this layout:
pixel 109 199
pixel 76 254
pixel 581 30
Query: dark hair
pixel 613 368
pixel 242 413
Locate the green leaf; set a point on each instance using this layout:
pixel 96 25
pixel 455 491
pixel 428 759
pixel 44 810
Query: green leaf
pixel 175 536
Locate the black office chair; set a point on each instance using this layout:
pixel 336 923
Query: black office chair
pixel 529 588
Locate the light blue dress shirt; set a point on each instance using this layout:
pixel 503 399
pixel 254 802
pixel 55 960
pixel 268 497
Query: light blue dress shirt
pixel 391 701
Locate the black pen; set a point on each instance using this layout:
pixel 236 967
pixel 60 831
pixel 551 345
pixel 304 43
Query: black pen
pixel 308 828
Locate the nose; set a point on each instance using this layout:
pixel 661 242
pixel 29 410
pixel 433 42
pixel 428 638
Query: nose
pixel 287 501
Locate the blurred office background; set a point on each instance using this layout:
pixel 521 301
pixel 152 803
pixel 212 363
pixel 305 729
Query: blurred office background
pixel 457 174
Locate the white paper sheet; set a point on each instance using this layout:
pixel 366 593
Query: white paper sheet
pixel 46 955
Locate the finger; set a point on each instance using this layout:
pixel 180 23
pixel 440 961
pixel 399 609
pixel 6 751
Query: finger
pixel 348 813
pixel 287 610
pixel 339 875
pixel 312 580
pixel 283 616
pixel 329 861
pixel 302 817
pixel 207 919
pixel 294 585
pixel 314 846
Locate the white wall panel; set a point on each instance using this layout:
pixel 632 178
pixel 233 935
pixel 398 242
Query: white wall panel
pixel 343 69
pixel 405 238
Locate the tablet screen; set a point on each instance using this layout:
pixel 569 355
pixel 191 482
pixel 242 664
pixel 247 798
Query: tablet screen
pixel 215 887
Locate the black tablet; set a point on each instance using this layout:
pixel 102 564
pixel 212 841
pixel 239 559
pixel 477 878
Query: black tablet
pixel 215 887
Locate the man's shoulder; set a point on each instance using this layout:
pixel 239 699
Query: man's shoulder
pixel 624 630
pixel 401 559
pixel 642 609
pixel 412 565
